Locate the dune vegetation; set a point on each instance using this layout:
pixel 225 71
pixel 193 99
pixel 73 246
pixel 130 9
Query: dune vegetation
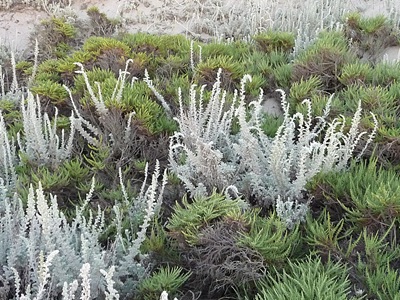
pixel 140 166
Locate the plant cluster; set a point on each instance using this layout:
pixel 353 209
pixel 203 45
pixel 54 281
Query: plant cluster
pixel 204 154
pixel 250 205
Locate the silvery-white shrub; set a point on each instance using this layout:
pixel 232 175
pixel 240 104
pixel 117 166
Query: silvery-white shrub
pixel 204 154
pixel 28 236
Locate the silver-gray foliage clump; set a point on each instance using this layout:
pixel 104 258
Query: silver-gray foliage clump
pixel 42 144
pixel 204 154
pixel 43 255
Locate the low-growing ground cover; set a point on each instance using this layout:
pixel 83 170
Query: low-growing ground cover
pixel 303 204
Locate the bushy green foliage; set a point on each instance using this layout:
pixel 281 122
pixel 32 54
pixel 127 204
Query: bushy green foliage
pixel 157 45
pixel 188 219
pixel 283 75
pixel 232 71
pixel 304 89
pixel 136 97
pixel 140 99
pixel 100 24
pixel 165 279
pixel 271 124
pixel 172 66
pixel 329 41
pixel 386 75
pixel 375 99
pixel 324 236
pixel 369 36
pixel 324 59
pixel 258 63
pixel 235 49
pixel 388 132
pixel 52 90
pixel 258 82
pixel 97 156
pixel 369 194
pixel 175 83
pixel 270 237
pixel 384 283
pixel 12 117
pixel 69 181
pixel 278 58
pixel 161 246
pixel 356 73
pixel 266 64
pixel 275 41
pixel 308 279
pixel 64 28
pixel 48 66
pixel 98 44
pixel 318 104
pixel 369 25
pixel 23 65
pixel 94 75
pixel 378 267
pixel 66 64
pixel 62 50
pixel 56 35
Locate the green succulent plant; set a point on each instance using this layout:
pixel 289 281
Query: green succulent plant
pixel 270 237
pixel 308 279
pixel 304 89
pixel 324 236
pixel 275 41
pixel 188 219
pixel 356 73
pixel 367 193
pixel 96 45
pixel 52 90
pixel 232 71
pixel 165 279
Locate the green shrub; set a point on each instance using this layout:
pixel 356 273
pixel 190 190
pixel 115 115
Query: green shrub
pixel 318 105
pixel 324 59
pixel 56 37
pixel 308 279
pixel 51 90
pixel 232 72
pixel 356 73
pixel 324 236
pixel 165 279
pixel 236 50
pixel 188 219
pixel 283 75
pixel 100 24
pixel 368 194
pixel 271 238
pixel 386 74
pixel 275 41
pixel 98 44
pixel 378 266
pixel 368 36
pixel 304 89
